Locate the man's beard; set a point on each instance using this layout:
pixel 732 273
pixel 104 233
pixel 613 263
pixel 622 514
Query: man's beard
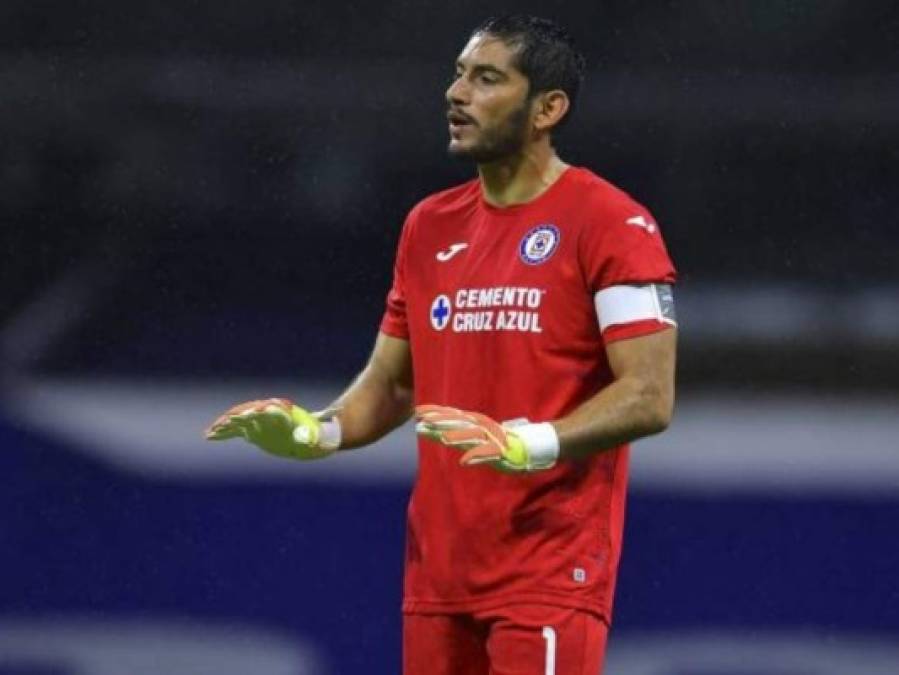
pixel 499 142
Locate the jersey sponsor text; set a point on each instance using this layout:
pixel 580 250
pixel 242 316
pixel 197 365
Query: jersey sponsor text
pixel 501 308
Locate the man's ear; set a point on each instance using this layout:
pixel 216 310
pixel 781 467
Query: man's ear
pixel 549 109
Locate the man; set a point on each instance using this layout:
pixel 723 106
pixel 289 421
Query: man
pixel 531 324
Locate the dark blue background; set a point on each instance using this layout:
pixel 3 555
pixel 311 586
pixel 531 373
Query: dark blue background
pixel 325 561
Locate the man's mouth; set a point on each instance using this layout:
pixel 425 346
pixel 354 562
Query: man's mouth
pixel 457 120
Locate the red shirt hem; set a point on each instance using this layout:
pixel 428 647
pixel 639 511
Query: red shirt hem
pixel 420 606
pixel 389 328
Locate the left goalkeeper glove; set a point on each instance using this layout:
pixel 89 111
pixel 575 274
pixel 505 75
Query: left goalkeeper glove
pixel 281 428
pixel 528 447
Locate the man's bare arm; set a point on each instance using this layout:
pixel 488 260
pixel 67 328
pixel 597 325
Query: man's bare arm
pixel 380 398
pixel 638 403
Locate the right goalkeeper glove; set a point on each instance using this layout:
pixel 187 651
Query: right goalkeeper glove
pixel 506 448
pixel 280 427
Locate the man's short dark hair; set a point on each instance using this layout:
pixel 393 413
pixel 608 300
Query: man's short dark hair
pixel 546 54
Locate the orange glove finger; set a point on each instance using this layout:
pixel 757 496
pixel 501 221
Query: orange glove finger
pixel 448 423
pixel 443 417
pixel 482 454
pixel 464 438
pixel 428 409
pixel 490 425
pixel 433 414
pixel 225 420
pixel 223 432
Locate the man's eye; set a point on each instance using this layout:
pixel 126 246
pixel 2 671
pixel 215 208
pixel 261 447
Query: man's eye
pixel 488 79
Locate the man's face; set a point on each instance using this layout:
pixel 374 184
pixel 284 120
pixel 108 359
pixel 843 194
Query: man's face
pixel 489 111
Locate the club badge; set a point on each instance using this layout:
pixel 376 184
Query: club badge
pixel 539 244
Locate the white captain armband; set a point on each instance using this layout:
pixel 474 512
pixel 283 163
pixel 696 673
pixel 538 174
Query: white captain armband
pixel 618 305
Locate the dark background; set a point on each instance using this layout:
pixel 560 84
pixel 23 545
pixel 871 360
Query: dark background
pixel 260 157
pixel 199 193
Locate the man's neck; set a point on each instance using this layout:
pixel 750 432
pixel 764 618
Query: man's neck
pixel 522 177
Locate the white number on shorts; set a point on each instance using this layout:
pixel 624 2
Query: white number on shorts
pixel 550 636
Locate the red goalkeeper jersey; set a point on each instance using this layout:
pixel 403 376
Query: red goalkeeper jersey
pixel 500 309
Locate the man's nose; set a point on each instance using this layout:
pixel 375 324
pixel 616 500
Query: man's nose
pixel 457 92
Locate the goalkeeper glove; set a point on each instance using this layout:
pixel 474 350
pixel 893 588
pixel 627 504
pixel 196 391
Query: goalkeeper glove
pixel 525 447
pixel 280 427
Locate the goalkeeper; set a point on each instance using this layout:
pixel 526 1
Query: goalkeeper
pixel 530 330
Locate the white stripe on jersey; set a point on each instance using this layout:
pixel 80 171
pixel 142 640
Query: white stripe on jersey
pixel 626 304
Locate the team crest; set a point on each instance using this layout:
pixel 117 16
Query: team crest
pixel 539 244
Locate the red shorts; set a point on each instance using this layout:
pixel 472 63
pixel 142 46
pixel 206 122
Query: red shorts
pixel 513 640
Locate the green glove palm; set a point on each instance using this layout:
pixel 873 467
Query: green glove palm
pixel 279 427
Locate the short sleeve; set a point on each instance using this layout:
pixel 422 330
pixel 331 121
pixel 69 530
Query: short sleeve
pixel 623 247
pixel 394 322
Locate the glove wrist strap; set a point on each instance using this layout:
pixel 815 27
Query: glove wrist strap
pixel 542 443
pixel 329 434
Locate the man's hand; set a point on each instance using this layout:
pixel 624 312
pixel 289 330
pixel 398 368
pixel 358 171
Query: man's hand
pixel 279 427
pixel 528 447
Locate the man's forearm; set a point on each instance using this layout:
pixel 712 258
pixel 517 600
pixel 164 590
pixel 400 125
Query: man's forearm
pixel 370 408
pixel 638 402
pixel 380 398
pixel 627 409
